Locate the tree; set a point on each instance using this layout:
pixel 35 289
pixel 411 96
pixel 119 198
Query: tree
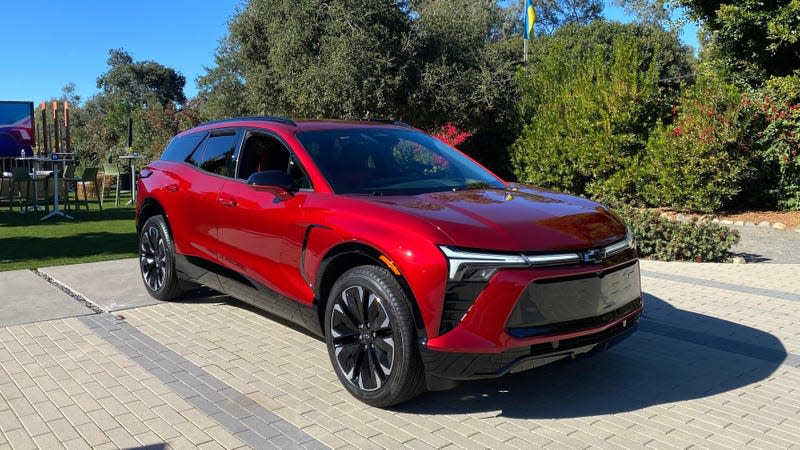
pixel 553 14
pixel 222 90
pixel 590 98
pixel 700 160
pixel 658 12
pixel 573 45
pixel 465 64
pixel 753 39
pixel 342 59
pixel 428 62
pixel 148 92
pixel 135 82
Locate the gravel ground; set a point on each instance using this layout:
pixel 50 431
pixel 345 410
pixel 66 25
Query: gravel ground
pixel 767 245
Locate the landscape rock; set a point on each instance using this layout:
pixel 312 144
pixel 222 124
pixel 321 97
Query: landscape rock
pixel 738 260
pixel 778 226
pixel 726 222
pixel 715 220
pixel 765 224
pixel 739 223
pixel 749 224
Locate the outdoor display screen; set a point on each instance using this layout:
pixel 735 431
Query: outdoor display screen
pixel 16 128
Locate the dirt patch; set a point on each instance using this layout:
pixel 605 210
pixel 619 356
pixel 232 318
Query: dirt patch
pixel 791 218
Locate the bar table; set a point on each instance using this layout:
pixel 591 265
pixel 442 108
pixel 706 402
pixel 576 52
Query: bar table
pixel 57 158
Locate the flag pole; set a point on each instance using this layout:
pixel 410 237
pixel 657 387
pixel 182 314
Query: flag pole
pixel 525 51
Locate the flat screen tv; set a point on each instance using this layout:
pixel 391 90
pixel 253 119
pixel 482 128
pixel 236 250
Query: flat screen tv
pixel 16 128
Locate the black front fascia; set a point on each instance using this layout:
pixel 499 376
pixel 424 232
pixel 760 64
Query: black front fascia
pixel 472 366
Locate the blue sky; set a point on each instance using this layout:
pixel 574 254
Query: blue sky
pixel 47 44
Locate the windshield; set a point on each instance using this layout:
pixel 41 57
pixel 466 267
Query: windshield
pixel 381 161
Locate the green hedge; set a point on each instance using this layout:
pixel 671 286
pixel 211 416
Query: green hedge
pixel 660 238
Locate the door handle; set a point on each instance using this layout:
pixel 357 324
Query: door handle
pixel 173 187
pixel 227 201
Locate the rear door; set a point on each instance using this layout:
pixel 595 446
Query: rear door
pixel 197 184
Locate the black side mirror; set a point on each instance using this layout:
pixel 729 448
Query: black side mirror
pixel 271 178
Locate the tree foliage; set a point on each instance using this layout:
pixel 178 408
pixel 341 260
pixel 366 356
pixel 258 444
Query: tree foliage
pixel 700 160
pixel 430 62
pixel 587 117
pixel 311 58
pixel 148 92
pixel 554 14
pixel 752 39
pixel 134 82
pixel 464 64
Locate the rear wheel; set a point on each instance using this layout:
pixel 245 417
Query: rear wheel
pixel 157 260
pixel 371 338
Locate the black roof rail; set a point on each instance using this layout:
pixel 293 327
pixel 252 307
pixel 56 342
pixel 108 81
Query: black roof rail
pixel 278 119
pixel 386 120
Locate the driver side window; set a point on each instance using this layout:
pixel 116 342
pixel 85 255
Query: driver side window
pixel 262 152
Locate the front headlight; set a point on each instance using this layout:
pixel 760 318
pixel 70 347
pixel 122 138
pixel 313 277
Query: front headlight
pixel 473 266
pixel 480 266
pixel 625 244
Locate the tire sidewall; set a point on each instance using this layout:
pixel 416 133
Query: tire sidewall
pixel 171 286
pixel 403 333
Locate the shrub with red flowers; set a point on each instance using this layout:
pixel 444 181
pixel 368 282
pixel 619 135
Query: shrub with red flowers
pixel 451 135
pixel 699 161
pixel 776 133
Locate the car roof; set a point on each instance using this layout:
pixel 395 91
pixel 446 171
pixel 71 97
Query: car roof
pixel 296 125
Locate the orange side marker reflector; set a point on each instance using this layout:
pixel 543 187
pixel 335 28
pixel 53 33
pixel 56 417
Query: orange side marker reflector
pixel 389 264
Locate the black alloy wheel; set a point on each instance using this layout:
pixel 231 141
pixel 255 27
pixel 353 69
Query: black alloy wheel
pixel 157 260
pixel 363 338
pixel 371 337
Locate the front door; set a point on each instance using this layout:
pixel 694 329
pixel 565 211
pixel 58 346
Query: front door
pixel 261 229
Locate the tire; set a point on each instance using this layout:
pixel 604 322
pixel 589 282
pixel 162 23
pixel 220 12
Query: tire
pixel 157 260
pixel 371 338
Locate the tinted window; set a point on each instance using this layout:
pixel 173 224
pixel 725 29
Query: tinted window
pixel 181 147
pixel 216 154
pixel 261 152
pixel 382 161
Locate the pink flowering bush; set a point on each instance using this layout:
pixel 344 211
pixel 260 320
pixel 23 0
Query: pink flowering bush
pixel 451 135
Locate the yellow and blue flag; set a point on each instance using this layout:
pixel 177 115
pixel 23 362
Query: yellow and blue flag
pixel 530 19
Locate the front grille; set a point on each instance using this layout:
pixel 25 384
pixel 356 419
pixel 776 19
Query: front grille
pixel 573 303
pixel 458 298
pixel 563 327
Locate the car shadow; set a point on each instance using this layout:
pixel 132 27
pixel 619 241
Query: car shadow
pixel 675 355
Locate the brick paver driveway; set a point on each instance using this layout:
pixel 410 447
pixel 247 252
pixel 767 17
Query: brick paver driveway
pixel 715 363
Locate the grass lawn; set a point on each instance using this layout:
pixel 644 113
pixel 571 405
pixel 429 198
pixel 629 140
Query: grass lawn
pixel 94 235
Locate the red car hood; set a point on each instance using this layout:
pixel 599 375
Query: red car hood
pixel 525 219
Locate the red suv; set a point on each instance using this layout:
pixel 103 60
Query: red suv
pixel 418 266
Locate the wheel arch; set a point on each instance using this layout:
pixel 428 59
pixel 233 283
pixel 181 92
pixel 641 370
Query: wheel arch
pixel 346 256
pixel 150 207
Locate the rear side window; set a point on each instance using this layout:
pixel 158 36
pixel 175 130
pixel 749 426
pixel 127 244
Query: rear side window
pixel 181 147
pixel 216 153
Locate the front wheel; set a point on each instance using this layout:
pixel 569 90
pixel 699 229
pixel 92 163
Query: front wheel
pixel 157 260
pixel 371 339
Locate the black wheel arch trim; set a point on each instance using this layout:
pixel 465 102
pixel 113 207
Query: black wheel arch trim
pixel 365 252
pixel 144 213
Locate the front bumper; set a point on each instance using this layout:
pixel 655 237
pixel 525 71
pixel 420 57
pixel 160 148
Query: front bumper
pixel 527 318
pixel 473 366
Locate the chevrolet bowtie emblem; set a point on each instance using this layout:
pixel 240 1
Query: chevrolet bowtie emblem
pixel 592 256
